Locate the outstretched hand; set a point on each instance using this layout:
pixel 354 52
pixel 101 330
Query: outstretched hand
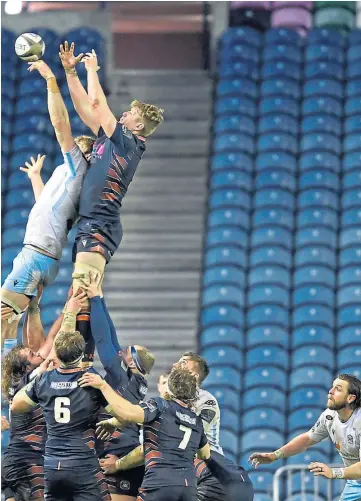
pixel 42 68
pixel 76 302
pixel 66 54
pixel 34 168
pixel 91 379
pixel 90 61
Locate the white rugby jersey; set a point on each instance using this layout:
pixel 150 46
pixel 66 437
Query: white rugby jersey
pixel 346 436
pixel 208 409
pixel 53 215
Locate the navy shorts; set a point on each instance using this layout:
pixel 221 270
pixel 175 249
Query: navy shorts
pixel 127 482
pixel 168 493
pixel 96 235
pixel 79 484
pixel 24 477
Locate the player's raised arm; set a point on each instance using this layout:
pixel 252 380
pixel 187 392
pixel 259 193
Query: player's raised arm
pixel 77 92
pixel 97 97
pixel 57 110
pixel 33 170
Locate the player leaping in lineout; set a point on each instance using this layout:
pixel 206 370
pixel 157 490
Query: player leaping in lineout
pixel 52 216
pixel 117 151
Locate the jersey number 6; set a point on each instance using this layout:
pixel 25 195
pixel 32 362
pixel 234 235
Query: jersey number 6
pixel 61 412
pixel 187 435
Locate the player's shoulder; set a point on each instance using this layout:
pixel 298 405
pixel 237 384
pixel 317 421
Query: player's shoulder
pixel 357 420
pixel 206 400
pixel 155 403
pixel 328 416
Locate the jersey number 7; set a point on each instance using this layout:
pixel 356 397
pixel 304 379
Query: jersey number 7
pixel 187 435
pixel 61 412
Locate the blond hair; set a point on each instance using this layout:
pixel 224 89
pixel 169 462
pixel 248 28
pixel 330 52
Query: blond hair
pixel 69 346
pixel 151 114
pixel 85 143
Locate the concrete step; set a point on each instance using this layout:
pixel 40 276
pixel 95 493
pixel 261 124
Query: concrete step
pixel 159 93
pixel 184 128
pixel 171 203
pixel 177 166
pixel 144 299
pixel 150 222
pixel 176 261
pixel 160 241
pixel 154 187
pixel 198 147
pixel 159 78
pixel 140 280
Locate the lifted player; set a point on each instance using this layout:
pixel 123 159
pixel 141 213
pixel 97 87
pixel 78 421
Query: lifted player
pixel 341 422
pixel 117 152
pixel 53 214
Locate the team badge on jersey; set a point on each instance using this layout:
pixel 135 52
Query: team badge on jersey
pixel 124 485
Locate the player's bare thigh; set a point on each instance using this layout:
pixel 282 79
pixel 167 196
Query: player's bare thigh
pixel 122 497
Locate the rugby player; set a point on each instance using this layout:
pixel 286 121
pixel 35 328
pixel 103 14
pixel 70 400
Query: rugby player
pixel 162 384
pixel 70 412
pixel 117 152
pixel 53 214
pixel 126 372
pixel 173 433
pixel 341 422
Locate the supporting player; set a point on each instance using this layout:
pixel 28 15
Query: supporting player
pixel 341 422
pixel 162 384
pixel 70 413
pixel 53 214
pixel 126 372
pixel 173 433
pixel 117 151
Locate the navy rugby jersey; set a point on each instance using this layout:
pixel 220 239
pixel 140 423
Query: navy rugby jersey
pixel 28 430
pixel 70 414
pixel 220 467
pixel 172 435
pixel 131 386
pixel 113 163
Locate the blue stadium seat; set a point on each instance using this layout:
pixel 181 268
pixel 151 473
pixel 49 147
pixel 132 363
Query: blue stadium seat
pixel 8 69
pixel 277 141
pixel 13 236
pixel 312 355
pixel 34 85
pixel 302 397
pixel 238 105
pixel 269 274
pixel 279 52
pixel 50 313
pixel 350 256
pixel 320 141
pixel 323 87
pixel 225 294
pixel 5 145
pixel 316 217
pixel 37 123
pixel 230 197
pixel 349 336
pixel 231 216
pixel 327 36
pixel 232 141
pixel 6 126
pixel 350 236
pixel 311 376
pixel 349 295
pixel 8 90
pixel 279 104
pixel 319 160
pixel 270 255
pixel 280 69
pixel 234 123
pixel 261 480
pixel 312 334
pixel 310 294
pixel 232 161
pixel 16 217
pixel 270 216
pixel 303 419
pixel 323 69
pixel 353 105
pixel 276 123
pixel 349 315
pixel 273 178
pixel 323 52
pixel 352 369
pixel 313 314
pixel 351 143
pixel 315 255
pixel 31 104
pixel 228 235
pixel 307 479
pixel 222 336
pixel 264 418
pixel 317 274
pixel 6 108
pixel 282 35
pixel 260 440
pixel 282 85
pixel 239 52
pixel 249 69
pixel 319 178
pixel 237 86
pixel 8 255
pixel 261 356
pixel 222 275
pixel 19 198
pixel 352 88
pixel 351 180
pixel 272 235
pixel 270 295
pixel 318 235
pixel 230 422
pixel 267 314
pixel 260 397
pixel 65 272
pixel 351 198
pixel 267 375
pixel 351 161
pixel 242 34
pixel 321 123
pixel 270 334
pixel 353 70
pixel 55 295
pixel 225 377
pixel 227 315
pixel 223 356
pixel 274 197
pixel 349 275
pixel 318 196
pixel 329 105
pixel 227 398
pixel 279 160
pixel 225 255
pixel 351 217
pixel 354 37
pixel 29 141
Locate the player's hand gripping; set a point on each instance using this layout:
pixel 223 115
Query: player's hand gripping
pixel 66 54
pixel 5 425
pixel 108 464
pixel 91 379
pixel 34 169
pixel 76 302
pixel 42 68
pixel 6 312
pixel 92 289
pixel 258 458
pixel 320 469
pixel 91 61
pixel 105 429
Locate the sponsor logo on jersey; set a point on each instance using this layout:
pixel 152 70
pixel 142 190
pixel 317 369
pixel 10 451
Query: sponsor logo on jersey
pixel 333 431
pixel 210 403
pixel 16 282
pixel 330 418
pixel 84 242
pixel 350 439
pixel 151 405
pixel 63 385
pixel 126 131
pixel 124 485
pixel 186 418
pixel 143 389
